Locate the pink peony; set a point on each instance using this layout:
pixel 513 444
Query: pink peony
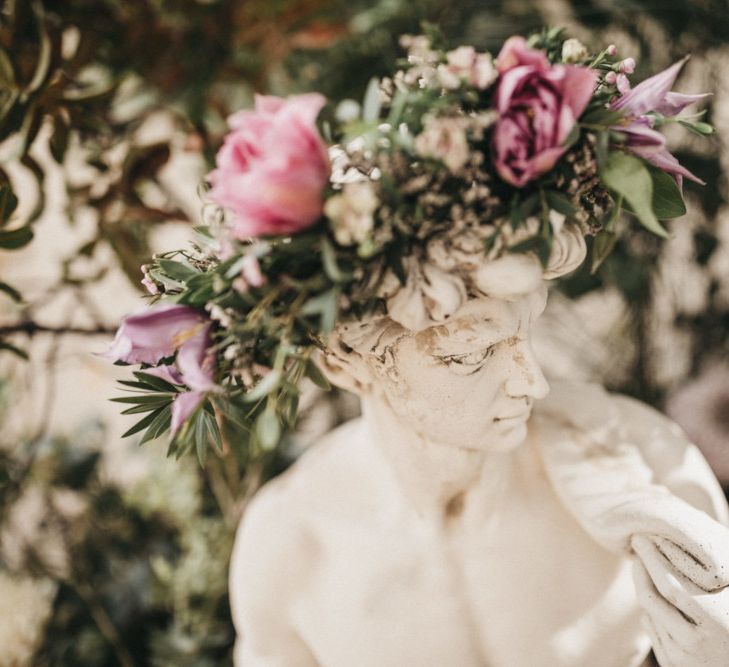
pixel 273 167
pixel 538 106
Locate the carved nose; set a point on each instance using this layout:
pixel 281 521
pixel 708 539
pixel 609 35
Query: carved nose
pixel 525 377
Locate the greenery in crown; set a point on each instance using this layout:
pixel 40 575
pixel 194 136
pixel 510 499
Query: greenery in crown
pixel 313 210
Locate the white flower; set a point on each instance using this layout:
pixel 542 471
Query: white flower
pixel 219 315
pixel 462 58
pixel 448 78
pixel 347 110
pixel 476 68
pixel 574 51
pixel 484 72
pixel 351 212
pixel 444 139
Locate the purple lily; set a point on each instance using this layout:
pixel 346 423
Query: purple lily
pixel 654 95
pixel 149 337
pixel 182 407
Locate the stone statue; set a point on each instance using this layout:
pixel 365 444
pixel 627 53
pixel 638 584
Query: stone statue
pixel 469 518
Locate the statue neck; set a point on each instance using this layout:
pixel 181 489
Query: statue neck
pixel 435 477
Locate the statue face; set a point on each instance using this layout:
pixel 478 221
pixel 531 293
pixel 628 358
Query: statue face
pixel 469 382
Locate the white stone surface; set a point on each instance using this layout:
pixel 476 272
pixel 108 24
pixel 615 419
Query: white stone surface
pixel 447 526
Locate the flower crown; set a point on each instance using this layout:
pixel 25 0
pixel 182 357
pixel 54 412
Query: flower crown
pixel 455 166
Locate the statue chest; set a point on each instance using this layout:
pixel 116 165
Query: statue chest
pixel 521 587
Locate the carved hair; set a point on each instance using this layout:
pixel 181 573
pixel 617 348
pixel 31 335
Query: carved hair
pixel 456 268
pixel 453 270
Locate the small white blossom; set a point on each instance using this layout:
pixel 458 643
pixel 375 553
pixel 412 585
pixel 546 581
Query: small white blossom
pixel 251 271
pixel 574 51
pixel 352 212
pixel 462 58
pixel 484 72
pixel 347 110
pixel 475 68
pixel 219 315
pixel 448 79
pixel 444 139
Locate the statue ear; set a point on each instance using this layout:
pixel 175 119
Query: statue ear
pixel 344 367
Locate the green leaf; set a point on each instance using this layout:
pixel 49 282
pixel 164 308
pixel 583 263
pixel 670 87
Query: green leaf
pixel 700 128
pixel 520 211
pixel 537 244
pixel 213 430
pixel 558 202
pixel 8 203
pixel 42 68
pixel 268 429
pixel 324 305
pixel 264 387
pixel 7 71
pixel 11 292
pixel 396 107
pixel 17 238
pixel 601 116
pixel 4 345
pixel 143 423
pixel 159 425
pixel 201 438
pixel 602 246
pixel 177 270
pixel 329 262
pixel 313 372
pixel 628 176
pixel 667 198
pixel 140 399
pixel 372 103
pixel 58 142
pixel 155 382
pixel 602 145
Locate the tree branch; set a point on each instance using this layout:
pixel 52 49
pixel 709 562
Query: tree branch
pixel 30 328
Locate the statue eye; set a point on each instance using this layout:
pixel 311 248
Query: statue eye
pixel 469 362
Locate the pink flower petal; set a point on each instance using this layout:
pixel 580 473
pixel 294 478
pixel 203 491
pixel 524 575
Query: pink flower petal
pixel 515 52
pixel 273 167
pixel 196 364
pixel 152 335
pixel 649 94
pixel 182 407
pixel 167 373
pixel 674 103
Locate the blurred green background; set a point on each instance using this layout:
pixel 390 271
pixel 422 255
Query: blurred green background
pixel 110 114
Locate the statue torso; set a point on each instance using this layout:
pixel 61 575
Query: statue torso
pixel 506 579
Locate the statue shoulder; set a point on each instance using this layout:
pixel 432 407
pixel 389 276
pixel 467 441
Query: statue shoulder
pixel 288 514
pixel 270 532
pixel 624 421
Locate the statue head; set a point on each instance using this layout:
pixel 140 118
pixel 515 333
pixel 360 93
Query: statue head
pixel 452 356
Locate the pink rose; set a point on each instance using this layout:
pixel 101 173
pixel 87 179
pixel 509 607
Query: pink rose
pixel 538 106
pixel 273 167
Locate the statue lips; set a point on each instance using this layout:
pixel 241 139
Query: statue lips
pixel 521 417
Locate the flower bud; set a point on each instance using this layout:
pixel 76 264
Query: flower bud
pixel 627 66
pixel 574 51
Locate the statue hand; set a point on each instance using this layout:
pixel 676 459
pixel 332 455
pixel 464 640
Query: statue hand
pixel 688 625
pixel 600 474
